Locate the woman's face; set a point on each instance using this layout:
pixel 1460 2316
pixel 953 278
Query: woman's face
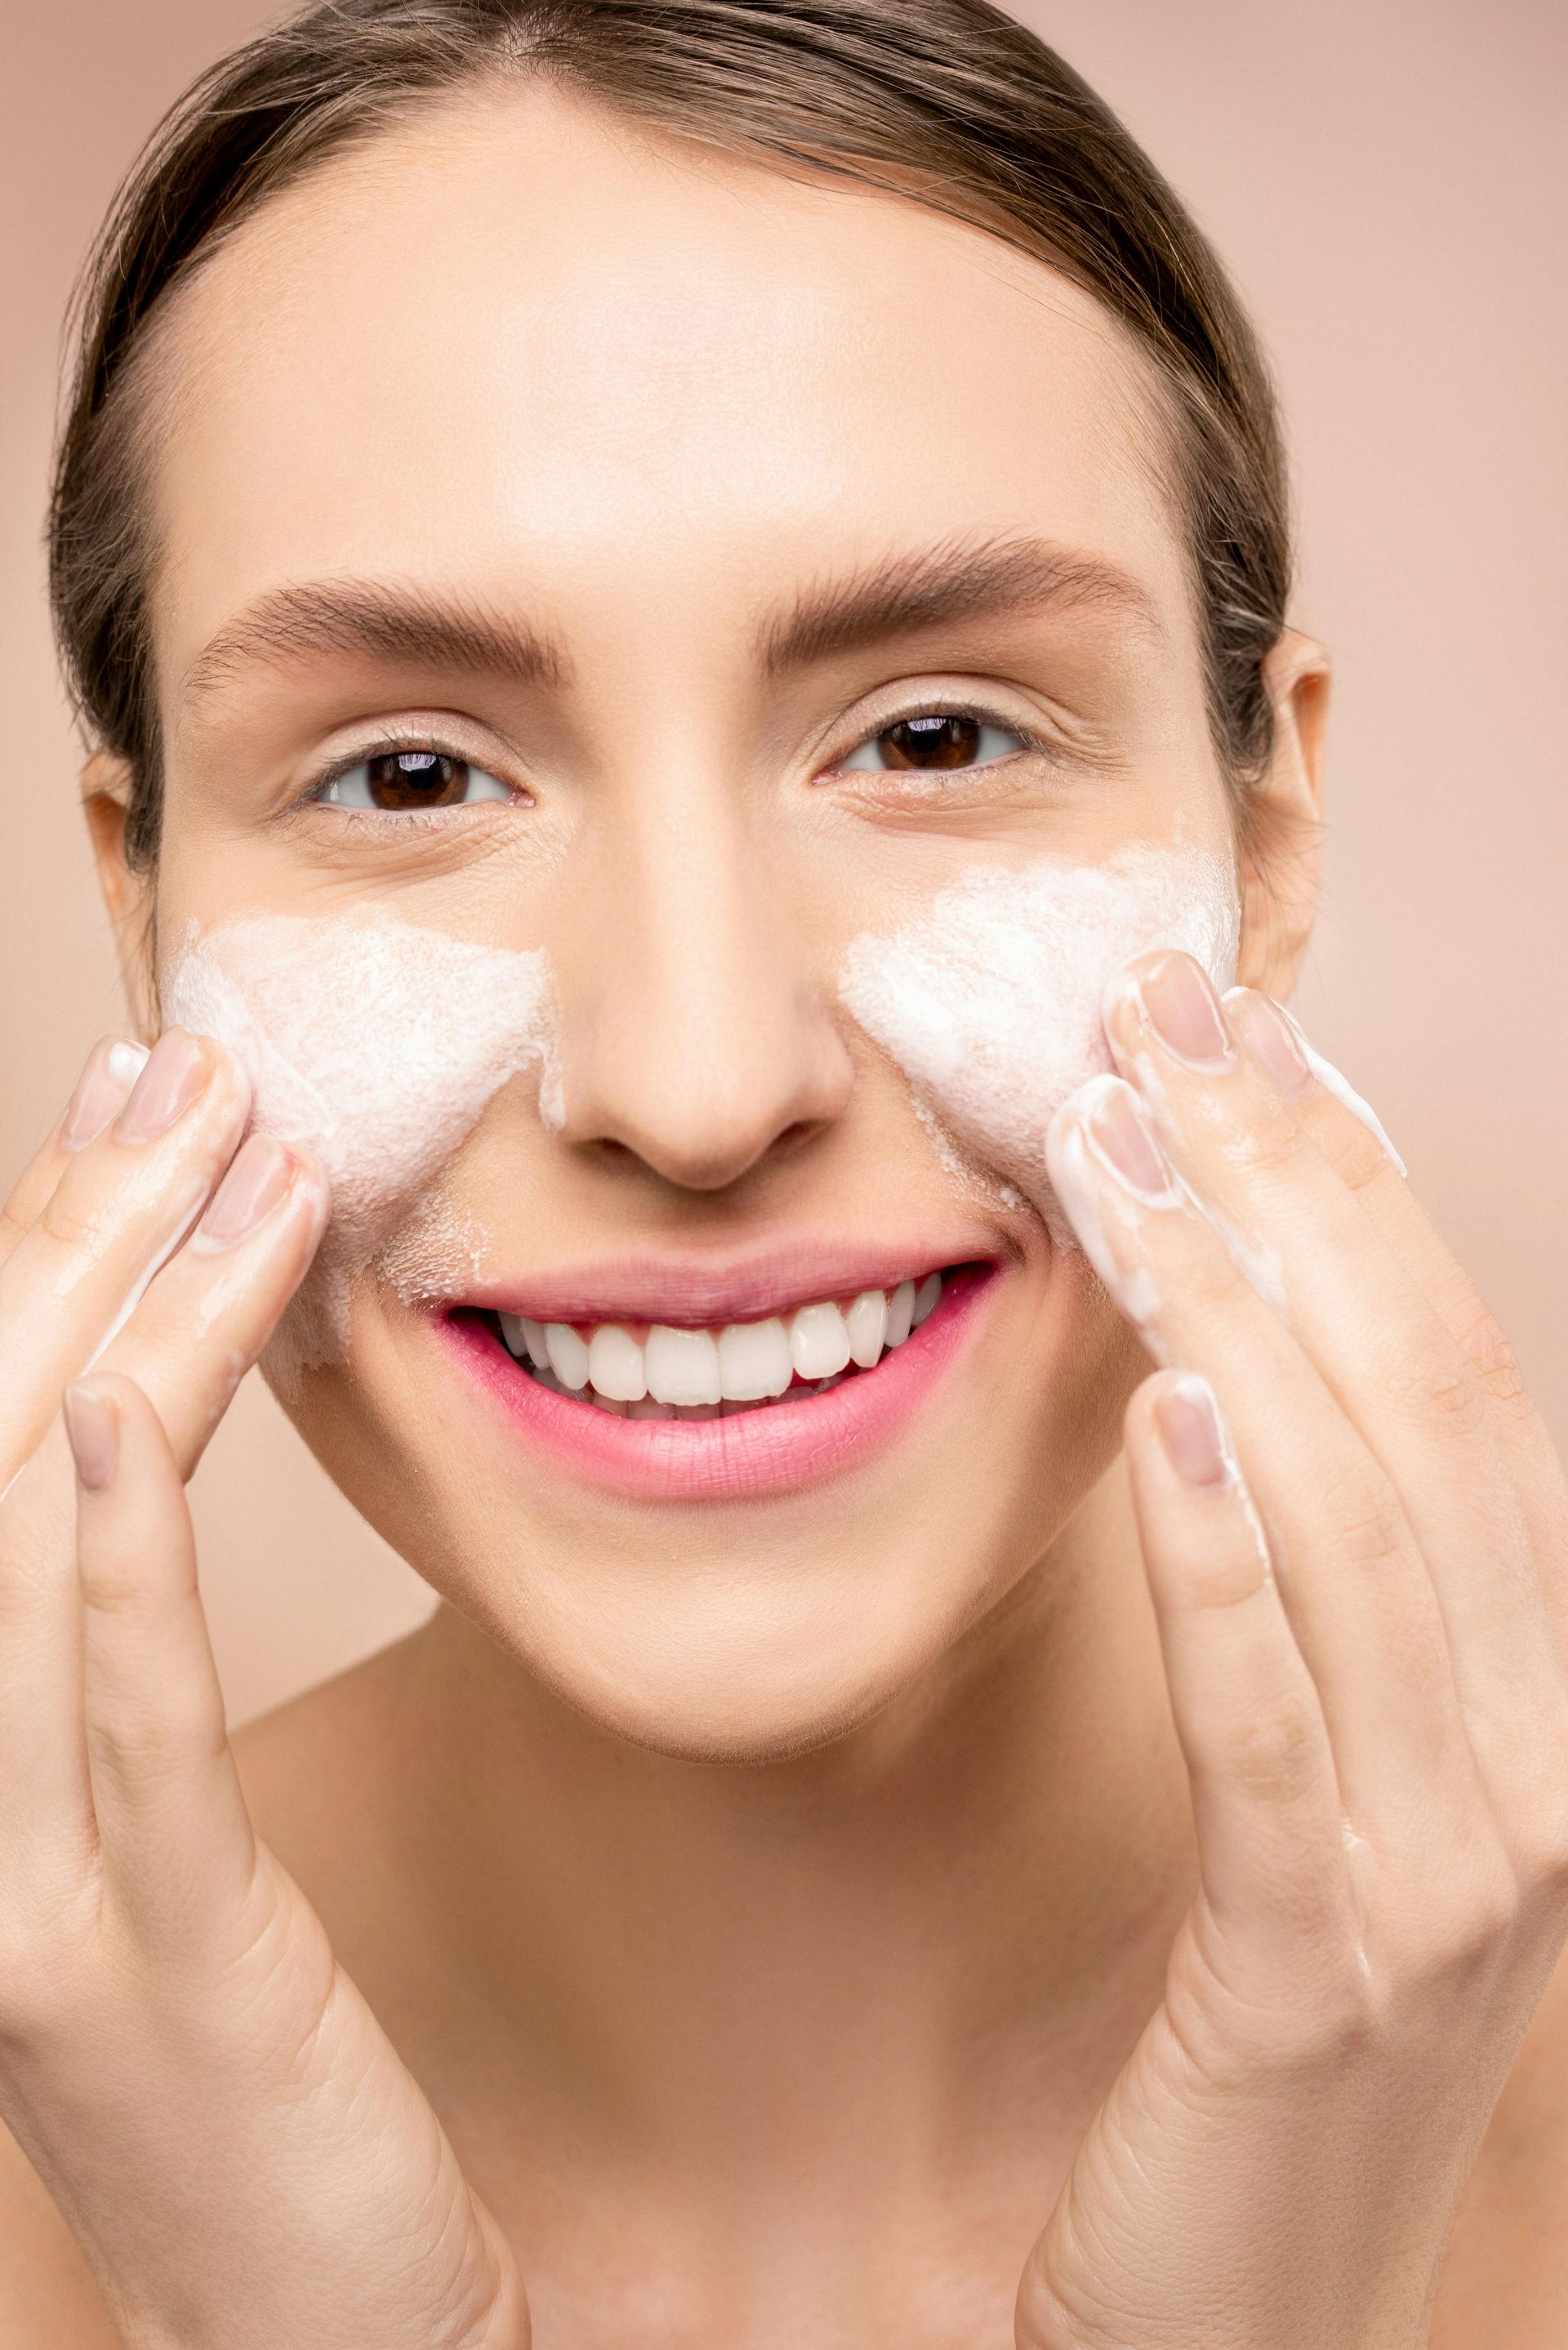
pixel 759 556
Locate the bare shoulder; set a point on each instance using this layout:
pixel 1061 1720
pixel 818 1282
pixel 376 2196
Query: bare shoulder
pixel 1505 2281
pixel 50 2298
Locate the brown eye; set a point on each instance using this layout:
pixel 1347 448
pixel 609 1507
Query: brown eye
pixel 935 740
pixel 397 781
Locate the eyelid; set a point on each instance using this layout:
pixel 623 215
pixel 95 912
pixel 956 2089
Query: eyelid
pixel 389 746
pixel 946 705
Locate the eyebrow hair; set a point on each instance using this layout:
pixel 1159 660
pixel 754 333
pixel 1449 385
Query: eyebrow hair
pixel 955 580
pixel 378 621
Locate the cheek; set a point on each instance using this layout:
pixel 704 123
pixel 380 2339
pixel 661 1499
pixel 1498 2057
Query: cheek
pixel 378 1045
pixel 991 1003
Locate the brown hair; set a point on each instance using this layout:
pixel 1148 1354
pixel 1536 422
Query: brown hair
pixel 950 101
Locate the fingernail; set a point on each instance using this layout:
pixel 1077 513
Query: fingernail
pixel 1269 1039
pixel 260 1175
pixel 112 1068
pixel 1125 1139
pixel 92 1424
pixel 169 1083
pixel 1193 1433
pixel 1184 1012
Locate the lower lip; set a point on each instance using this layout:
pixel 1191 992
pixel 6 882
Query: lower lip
pixel 771 1450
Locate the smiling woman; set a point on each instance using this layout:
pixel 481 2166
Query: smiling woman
pixel 708 804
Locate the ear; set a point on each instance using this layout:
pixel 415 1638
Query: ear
pixel 128 895
pixel 1282 832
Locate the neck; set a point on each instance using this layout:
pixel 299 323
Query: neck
pixel 946 1927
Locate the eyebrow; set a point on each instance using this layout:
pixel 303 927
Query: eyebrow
pixel 377 622
pixel 897 596
pixel 955 580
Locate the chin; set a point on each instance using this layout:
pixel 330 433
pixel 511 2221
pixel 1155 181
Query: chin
pixel 724 1590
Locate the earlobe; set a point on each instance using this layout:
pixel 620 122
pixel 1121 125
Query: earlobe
pixel 1283 835
pixel 127 899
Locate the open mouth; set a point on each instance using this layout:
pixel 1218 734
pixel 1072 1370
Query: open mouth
pixel 742 1406
pixel 662 1371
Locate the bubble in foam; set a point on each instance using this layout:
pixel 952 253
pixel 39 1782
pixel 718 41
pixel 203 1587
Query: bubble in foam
pixel 990 1003
pixel 377 1044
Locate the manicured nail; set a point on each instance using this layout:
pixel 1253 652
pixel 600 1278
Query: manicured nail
pixel 1184 1012
pixel 169 1083
pixel 92 1424
pixel 261 1173
pixel 1125 1139
pixel 1194 1434
pixel 1271 1040
pixel 102 1090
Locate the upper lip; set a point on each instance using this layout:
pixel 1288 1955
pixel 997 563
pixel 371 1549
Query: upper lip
pixel 698 1289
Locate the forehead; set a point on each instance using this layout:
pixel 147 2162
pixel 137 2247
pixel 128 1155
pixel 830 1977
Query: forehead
pixel 516 344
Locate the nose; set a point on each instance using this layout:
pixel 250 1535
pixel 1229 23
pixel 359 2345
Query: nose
pixel 697 1031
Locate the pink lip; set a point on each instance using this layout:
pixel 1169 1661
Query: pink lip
pixel 771 1450
pixel 699 1291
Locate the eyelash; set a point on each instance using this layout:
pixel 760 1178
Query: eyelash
pixel 314 794
pixel 316 791
pixel 979 713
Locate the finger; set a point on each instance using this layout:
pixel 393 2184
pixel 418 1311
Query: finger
pixel 1266 1804
pixel 121 1204
pixel 1354 1583
pixel 172 1824
pixel 201 1324
pixel 1274 1042
pixel 1378 1343
pixel 109 1072
pixel 207 1315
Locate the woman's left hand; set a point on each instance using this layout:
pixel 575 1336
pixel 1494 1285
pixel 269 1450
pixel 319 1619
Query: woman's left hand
pixel 1359 1568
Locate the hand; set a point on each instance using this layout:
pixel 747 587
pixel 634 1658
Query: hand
pixel 1359 1560
pixel 231 2136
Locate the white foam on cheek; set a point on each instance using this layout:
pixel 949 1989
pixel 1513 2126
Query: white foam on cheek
pixel 375 1043
pixel 990 1001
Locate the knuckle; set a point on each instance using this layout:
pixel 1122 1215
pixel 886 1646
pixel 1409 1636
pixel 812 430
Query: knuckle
pixel 1493 1363
pixel 1276 1756
pixel 1443 1387
pixel 1352 1149
pixel 13 1222
pixel 73 1223
pixel 1369 1529
pixel 148 1751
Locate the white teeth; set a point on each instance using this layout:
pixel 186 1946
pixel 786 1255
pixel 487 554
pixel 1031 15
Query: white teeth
pixel 753 1361
pixel 568 1355
pixel 694 1374
pixel 683 1366
pixel 615 1371
pixel 866 1323
pixel 526 1337
pixel 818 1341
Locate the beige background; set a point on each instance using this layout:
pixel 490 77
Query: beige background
pixel 1381 175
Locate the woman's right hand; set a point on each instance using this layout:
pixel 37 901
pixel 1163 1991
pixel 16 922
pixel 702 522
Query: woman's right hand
pixel 234 2141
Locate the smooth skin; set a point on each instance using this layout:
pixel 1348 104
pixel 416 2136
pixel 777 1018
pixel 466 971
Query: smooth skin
pixel 796 1924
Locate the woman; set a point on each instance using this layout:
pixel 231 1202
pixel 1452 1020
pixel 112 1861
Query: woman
pixel 664 597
